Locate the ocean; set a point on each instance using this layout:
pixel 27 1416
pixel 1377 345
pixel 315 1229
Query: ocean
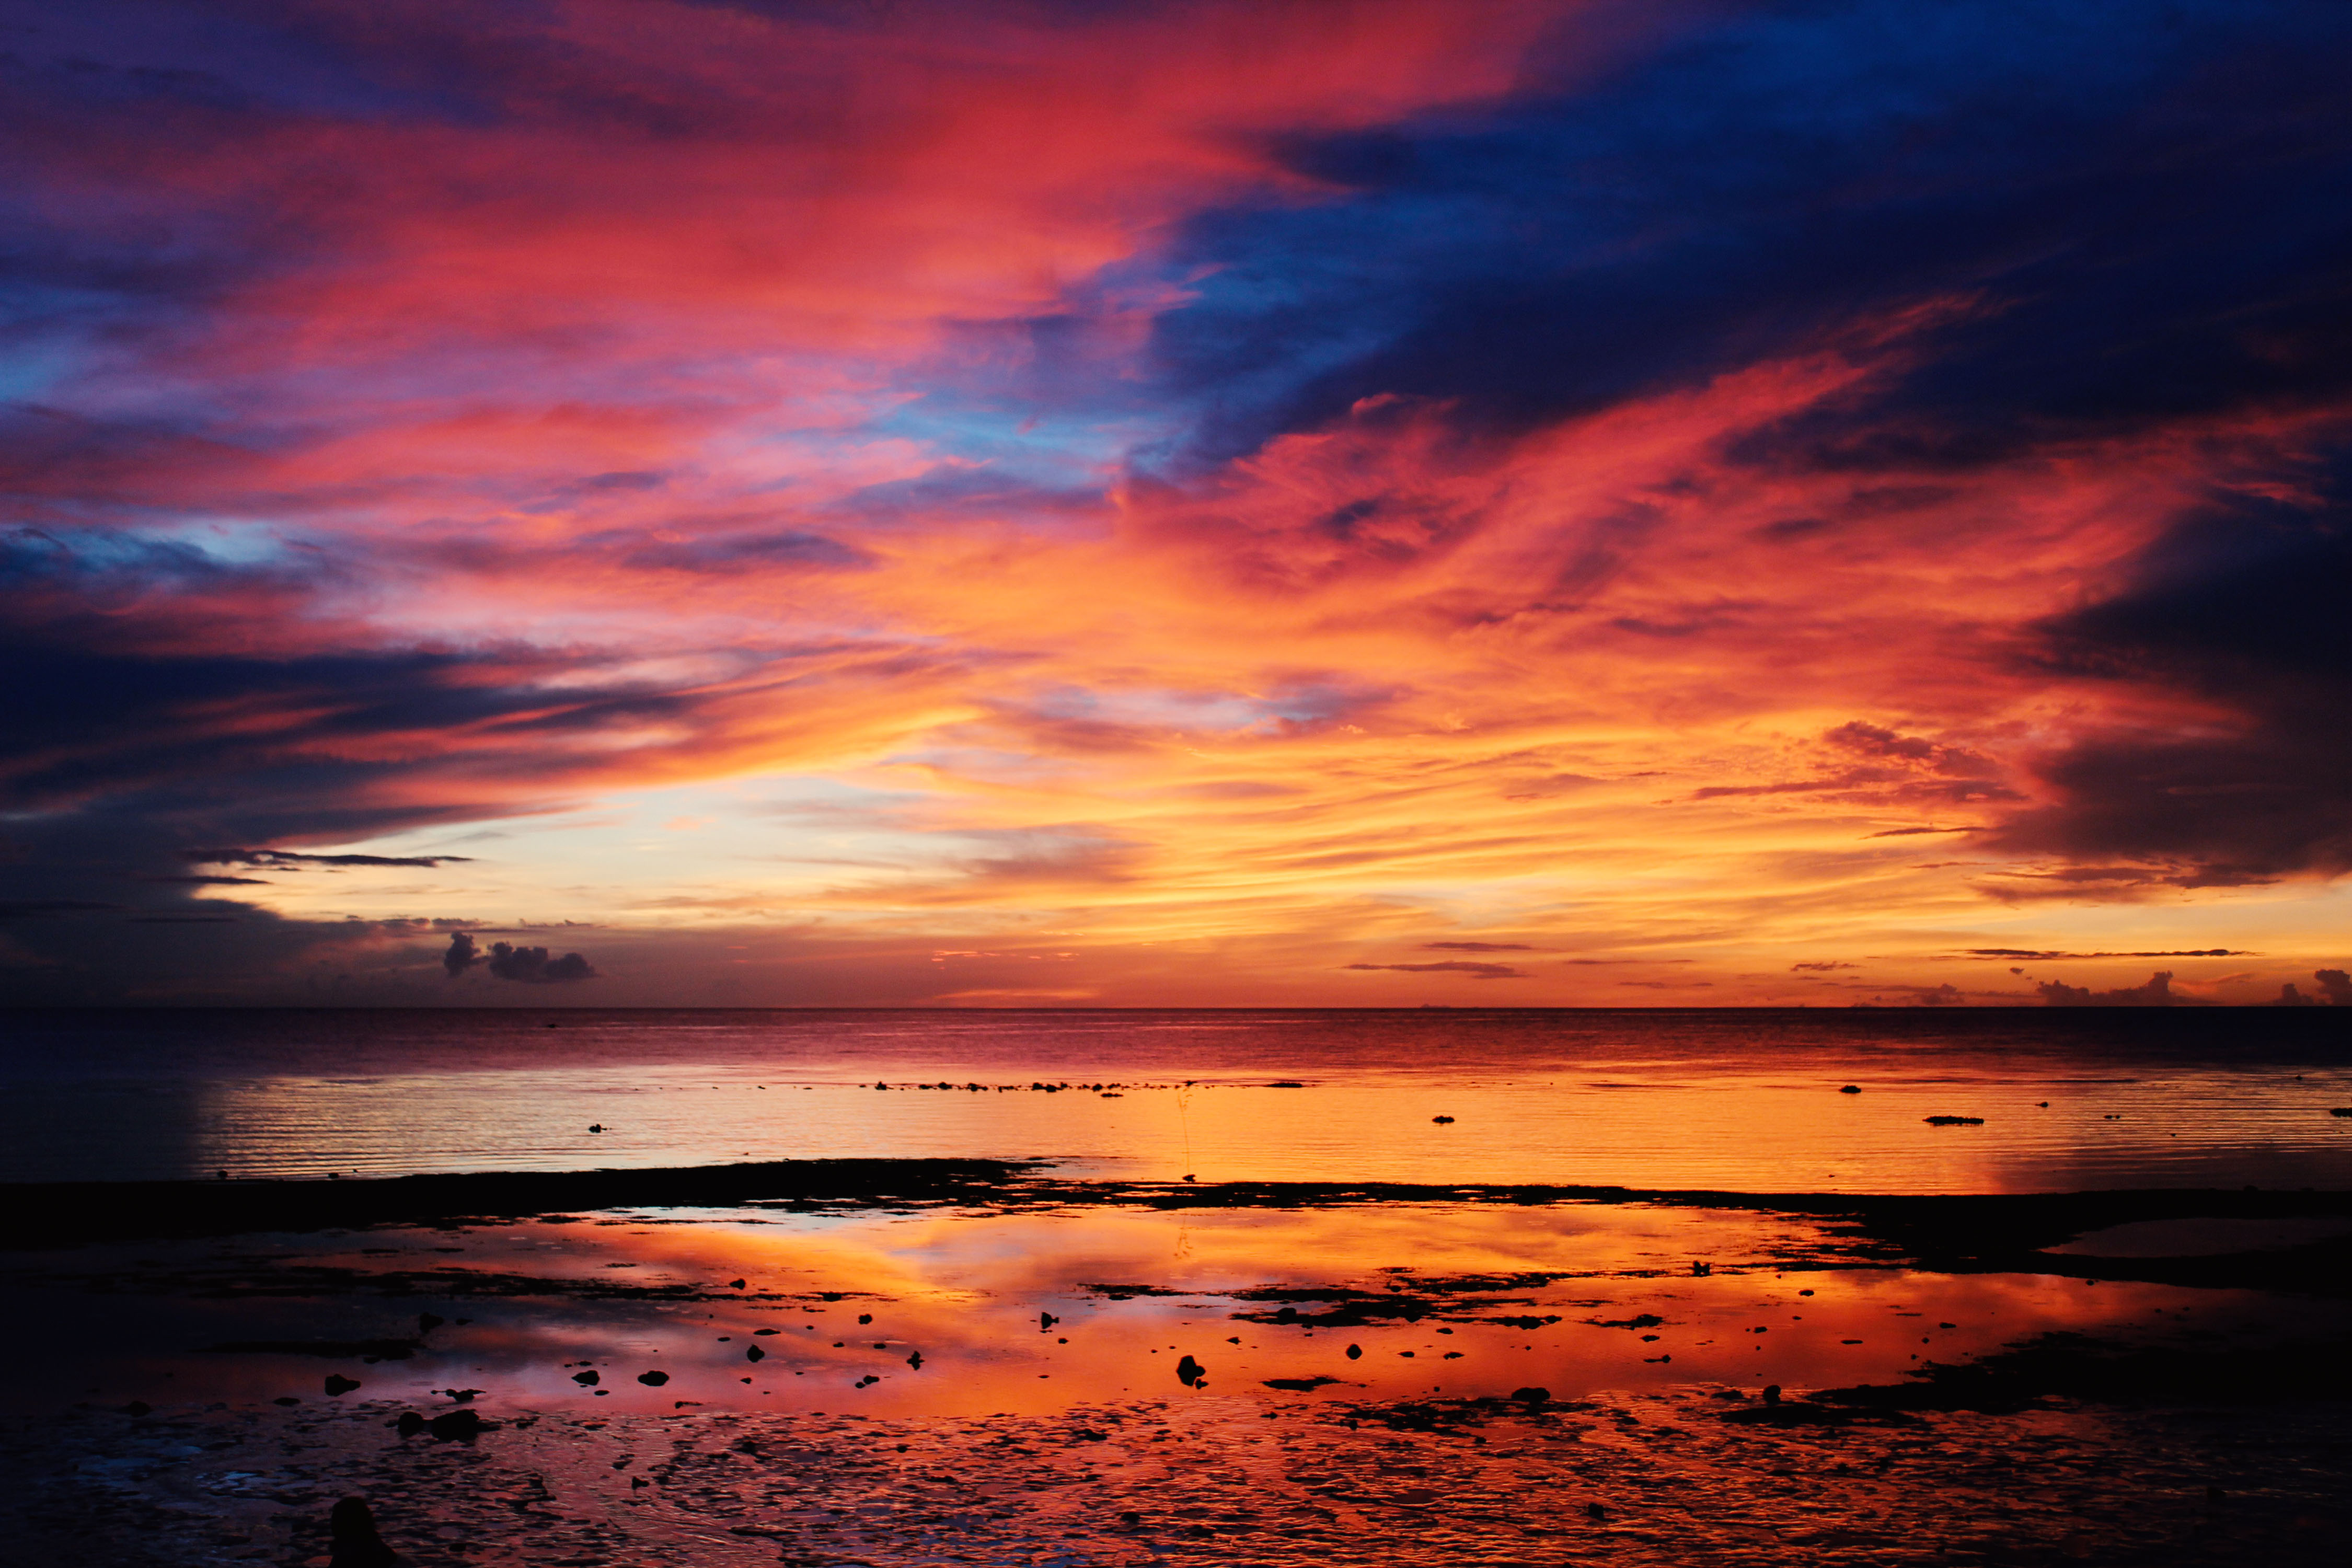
pixel 2056 1099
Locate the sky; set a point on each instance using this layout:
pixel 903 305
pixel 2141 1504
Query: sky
pixel 1082 502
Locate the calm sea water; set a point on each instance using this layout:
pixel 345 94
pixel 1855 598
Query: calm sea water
pixel 1730 1101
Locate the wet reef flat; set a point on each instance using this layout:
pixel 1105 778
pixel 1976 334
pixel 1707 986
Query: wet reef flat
pixel 889 1363
pixel 1971 1233
pixel 1660 1480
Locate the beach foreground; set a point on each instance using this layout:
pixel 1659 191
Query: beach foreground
pixel 958 1361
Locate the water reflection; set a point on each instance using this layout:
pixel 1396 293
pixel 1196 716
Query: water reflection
pixel 971 1314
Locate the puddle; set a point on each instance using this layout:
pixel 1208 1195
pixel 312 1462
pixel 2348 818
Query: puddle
pixel 978 1314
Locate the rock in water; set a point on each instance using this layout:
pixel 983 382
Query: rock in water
pixel 586 1379
pixel 458 1426
pixel 755 1354
pixel 1355 1352
pixel 1191 1373
pixel 352 1539
pixel 338 1385
pixel 653 1379
pixel 410 1423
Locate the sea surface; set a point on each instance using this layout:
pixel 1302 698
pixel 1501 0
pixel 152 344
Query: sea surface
pixel 1745 1100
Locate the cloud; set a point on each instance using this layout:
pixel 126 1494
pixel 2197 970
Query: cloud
pixel 2157 992
pixel 1479 946
pixel 2239 617
pixel 528 965
pixel 2044 955
pixel 289 859
pixel 2337 984
pixel 1450 966
pixel 1818 966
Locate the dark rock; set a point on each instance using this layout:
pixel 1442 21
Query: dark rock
pixel 1593 1510
pixel 1131 1519
pixel 653 1379
pixel 1286 1315
pixel 595 1127
pixel 286 1399
pixel 2341 1110
pixel 1047 1320
pixel 1954 1121
pixel 586 1379
pixel 410 1423
pixel 862 1317
pixel 735 1284
pixel 137 1407
pixel 915 1359
pixel 1702 1270
pixel 428 1322
pixel 338 1385
pixel 1532 1395
pixel 1355 1352
pixel 462 1396
pixel 1300 1384
pixel 458 1426
pixel 1771 1393
pixel 754 1353
pixel 1442 1120
pixel 1850 1089
pixel 1191 1373
pixel 353 1540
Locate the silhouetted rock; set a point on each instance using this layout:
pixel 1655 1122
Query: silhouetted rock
pixel 1191 1373
pixel 457 1425
pixel 586 1379
pixel 653 1379
pixel 139 1407
pixel 1850 1089
pixel 1355 1352
pixel 1532 1395
pixel 1442 1120
pixel 428 1322
pixel 410 1423
pixel 1771 1393
pixel 1954 1121
pixel 1047 1320
pixel 1593 1510
pixel 1300 1384
pixel 338 1385
pixel 755 1354
pixel 915 1359
pixel 353 1540
pixel 734 1284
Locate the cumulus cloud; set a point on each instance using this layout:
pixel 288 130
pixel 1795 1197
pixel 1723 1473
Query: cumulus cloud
pixel 2337 984
pixel 529 965
pixel 2155 992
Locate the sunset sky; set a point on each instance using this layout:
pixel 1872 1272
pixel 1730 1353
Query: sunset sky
pixel 1338 503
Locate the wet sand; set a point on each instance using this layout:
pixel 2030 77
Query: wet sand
pixel 206 1367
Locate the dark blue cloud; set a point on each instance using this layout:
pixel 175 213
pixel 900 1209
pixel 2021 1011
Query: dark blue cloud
pixel 2154 203
pixel 2248 607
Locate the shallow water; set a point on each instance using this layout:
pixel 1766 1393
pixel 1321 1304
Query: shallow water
pixel 973 1313
pixel 1741 1101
